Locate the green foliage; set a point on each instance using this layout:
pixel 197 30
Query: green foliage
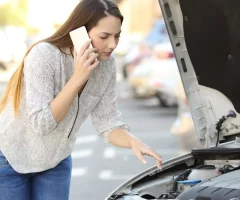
pixel 13 13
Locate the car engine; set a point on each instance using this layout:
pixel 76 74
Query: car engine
pixel 214 174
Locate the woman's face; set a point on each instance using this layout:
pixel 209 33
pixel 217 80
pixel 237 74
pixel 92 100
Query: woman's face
pixel 105 36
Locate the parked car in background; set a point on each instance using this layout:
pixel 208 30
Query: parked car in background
pixel 139 79
pixel 205 38
pixel 165 75
pixel 136 54
pixel 141 48
pixel 156 75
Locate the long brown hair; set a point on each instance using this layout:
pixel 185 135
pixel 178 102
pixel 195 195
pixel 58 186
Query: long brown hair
pixel 87 13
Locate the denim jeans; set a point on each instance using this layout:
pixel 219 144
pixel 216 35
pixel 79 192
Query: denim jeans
pixel 52 184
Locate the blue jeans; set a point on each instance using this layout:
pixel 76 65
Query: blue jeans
pixel 52 184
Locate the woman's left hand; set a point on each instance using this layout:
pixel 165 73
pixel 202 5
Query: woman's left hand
pixel 140 149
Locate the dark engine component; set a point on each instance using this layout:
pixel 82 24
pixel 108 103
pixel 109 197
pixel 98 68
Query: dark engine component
pixel 224 187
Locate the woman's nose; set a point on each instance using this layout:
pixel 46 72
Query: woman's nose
pixel 113 43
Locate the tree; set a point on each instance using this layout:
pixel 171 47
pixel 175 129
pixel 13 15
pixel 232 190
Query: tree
pixel 13 13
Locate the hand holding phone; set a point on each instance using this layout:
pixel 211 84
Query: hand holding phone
pixel 79 37
pixel 85 56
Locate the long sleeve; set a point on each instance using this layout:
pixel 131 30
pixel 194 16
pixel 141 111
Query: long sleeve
pixel 38 93
pixel 105 116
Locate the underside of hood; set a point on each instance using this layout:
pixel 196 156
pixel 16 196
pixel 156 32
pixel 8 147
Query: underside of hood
pixel 205 35
pixel 212 35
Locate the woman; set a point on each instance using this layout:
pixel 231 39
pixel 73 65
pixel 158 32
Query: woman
pixel 50 96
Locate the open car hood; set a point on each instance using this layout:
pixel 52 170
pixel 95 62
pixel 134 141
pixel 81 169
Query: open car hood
pixel 205 36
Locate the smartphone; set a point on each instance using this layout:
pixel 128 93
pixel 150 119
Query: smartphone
pixel 79 37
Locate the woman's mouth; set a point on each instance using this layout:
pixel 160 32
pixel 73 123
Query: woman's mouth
pixel 106 53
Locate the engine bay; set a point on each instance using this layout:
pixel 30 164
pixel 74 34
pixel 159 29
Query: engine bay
pixel 208 174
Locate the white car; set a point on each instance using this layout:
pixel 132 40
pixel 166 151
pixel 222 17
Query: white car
pixel 156 75
pixel 164 74
pixel 205 38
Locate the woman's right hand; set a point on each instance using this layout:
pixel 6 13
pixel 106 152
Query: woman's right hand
pixel 84 62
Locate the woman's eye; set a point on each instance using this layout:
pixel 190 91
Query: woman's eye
pixel 103 38
pixel 117 36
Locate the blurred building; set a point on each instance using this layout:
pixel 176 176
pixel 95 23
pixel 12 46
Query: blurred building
pixel 139 15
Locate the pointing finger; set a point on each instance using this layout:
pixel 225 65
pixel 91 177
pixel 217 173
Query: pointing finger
pixel 155 156
pixel 140 156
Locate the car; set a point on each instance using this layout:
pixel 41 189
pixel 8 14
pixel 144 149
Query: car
pixel 140 48
pixel 137 53
pixel 156 75
pixel 205 39
pixel 164 75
